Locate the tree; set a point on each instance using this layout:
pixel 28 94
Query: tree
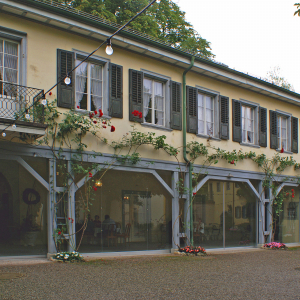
pixel 276 78
pixel 297 12
pixel 163 20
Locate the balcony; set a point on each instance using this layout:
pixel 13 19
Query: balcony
pixel 16 103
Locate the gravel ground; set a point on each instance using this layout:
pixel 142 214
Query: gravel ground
pixel 264 274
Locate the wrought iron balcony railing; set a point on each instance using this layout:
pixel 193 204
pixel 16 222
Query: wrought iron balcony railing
pixel 16 102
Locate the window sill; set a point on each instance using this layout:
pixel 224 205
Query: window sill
pixel 208 137
pixel 156 127
pixel 86 113
pixel 285 152
pixel 250 145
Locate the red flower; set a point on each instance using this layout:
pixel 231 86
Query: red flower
pixel 140 115
pixel 50 93
pixel 90 174
pixel 95 122
pixel 282 150
pixel 78 106
pixel 113 128
pixel 100 113
pixel 293 196
pixel 104 122
pixel 90 115
pixel 194 194
pixel 94 188
pixel 59 233
pixel 104 126
pixel 232 162
pixel 69 218
pixel 292 190
pixel 96 112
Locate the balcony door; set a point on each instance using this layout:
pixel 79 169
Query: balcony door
pixel 10 98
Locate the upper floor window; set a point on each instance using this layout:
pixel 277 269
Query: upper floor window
pixel 157 98
pixel 154 102
pixel 248 124
pixel 206 119
pixel 95 84
pixel 282 132
pixel 9 61
pixel 89 86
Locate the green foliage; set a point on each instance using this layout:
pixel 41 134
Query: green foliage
pixel 276 78
pixel 297 12
pixel 163 20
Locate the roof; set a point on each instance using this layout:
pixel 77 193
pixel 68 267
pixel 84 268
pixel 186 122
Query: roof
pixel 130 34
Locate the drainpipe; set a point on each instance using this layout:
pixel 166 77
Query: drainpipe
pixel 184 147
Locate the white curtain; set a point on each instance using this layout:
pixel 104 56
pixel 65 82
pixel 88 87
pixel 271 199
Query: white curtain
pixel 10 62
pixel 96 85
pixel 81 80
pixel 147 97
pixel 159 103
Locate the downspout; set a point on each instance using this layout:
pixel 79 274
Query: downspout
pixel 184 147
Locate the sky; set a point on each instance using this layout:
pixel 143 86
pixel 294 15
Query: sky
pixel 250 36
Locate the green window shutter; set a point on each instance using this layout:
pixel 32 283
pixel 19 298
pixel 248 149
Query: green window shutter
pixel 236 121
pixel 136 84
pixel 224 117
pixel 116 91
pixel 294 135
pixel 273 130
pixel 192 109
pixel 176 111
pixel 263 134
pixel 65 93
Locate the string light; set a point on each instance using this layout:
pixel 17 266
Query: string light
pixel 67 80
pixel 27 116
pixel 109 50
pixel 98 183
pixel 3 134
pixel 44 102
pixel 14 126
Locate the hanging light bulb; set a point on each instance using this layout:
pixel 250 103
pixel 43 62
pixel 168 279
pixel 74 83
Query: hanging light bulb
pixel 67 80
pixel 44 102
pixel 98 183
pixel 27 116
pixel 109 50
pixel 14 126
pixel 3 134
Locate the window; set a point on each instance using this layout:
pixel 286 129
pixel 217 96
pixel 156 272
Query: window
pixel 206 115
pixel 89 86
pixel 9 61
pixel 248 125
pixel 282 132
pixel 154 102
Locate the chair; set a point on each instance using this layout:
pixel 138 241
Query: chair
pixel 126 234
pixel 112 234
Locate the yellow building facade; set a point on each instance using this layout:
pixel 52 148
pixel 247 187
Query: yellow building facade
pixel 151 87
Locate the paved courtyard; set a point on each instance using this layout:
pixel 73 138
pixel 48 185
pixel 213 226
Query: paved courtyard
pixel 261 274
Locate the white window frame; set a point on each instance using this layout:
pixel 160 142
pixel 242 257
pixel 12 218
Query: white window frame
pixel 166 80
pixel 216 115
pixel 94 59
pixel 20 38
pixel 152 108
pixel 246 119
pixel 288 117
pixel 255 107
